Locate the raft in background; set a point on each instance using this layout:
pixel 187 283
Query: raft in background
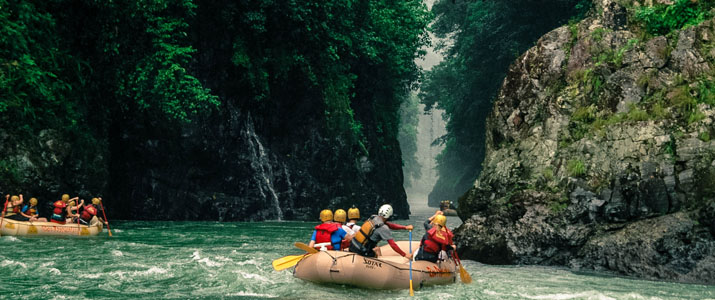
pixel 26 228
pixel 390 271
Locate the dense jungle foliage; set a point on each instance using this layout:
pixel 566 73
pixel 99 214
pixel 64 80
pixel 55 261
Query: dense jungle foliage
pixel 83 70
pixel 481 39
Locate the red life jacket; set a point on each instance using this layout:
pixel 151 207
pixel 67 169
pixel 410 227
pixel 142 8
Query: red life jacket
pixel 88 212
pixel 16 209
pixel 32 210
pixel 59 207
pixel 437 240
pixel 323 233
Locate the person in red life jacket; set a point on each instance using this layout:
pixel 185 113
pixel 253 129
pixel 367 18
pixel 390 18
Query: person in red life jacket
pixel 328 232
pixel 89 212
pixel 436 239
pixel 377 229
pixel 97 202
pixel 59 211
pixel 30 210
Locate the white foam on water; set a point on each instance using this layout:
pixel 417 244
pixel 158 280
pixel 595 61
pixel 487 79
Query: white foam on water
pixel 54 271
pixel 249 294
pixel 117 230
pixel 248 262
pixel 117 253
pixel 11 238
pixel 90 275
pixel 132 274
pixel 7 263
pixel 47 264
pixel 252 276
pixel 207 261
pixel 560 296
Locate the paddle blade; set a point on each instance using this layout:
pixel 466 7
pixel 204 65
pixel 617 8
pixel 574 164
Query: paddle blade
pixel 464 276
pixel 287 262
pixel 305 247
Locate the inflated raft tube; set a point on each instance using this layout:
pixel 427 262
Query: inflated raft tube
pixel 389 271
pixel 26 228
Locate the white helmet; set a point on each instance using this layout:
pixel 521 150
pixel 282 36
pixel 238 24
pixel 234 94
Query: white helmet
pixel 385 211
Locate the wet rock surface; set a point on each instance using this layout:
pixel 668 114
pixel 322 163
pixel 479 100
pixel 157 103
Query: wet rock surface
pixel 581 172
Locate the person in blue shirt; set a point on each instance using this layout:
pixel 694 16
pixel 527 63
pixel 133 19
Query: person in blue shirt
pixel 328 232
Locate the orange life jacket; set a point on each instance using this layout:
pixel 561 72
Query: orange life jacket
pixel 323 233
pixel 437 240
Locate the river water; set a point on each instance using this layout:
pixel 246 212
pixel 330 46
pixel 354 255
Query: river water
pixel 211 260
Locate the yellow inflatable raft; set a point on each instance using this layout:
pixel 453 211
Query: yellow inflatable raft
pixel 390 271
pixel 23 228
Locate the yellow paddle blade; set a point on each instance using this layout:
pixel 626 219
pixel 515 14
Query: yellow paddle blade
pixel 463 275
pixel 286 262
pixel 305 247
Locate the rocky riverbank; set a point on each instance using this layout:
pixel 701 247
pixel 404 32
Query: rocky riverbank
pixel 599 153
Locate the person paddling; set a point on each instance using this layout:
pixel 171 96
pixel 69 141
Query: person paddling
pixel 377 229
pixel 59 212
pixel 14 210
pixel 30 210
pixel 328 232
pixel 437 238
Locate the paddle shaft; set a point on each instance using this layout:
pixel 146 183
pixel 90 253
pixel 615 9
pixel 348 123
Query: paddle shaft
pixel 412 291
pixel 105 218
pixel 79 230
pixel 2 218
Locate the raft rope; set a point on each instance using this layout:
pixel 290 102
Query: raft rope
pixel 385 262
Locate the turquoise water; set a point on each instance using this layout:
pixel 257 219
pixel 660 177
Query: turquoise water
pixel 208 260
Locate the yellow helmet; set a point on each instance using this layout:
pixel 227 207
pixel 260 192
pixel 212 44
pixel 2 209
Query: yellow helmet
pixel 340 216
pixel 65 197
pixel 96 201
pixel 33 201
pixel 14 198
pixel 354 213
pixel 72 203
pixel 326 215
pixel 440 219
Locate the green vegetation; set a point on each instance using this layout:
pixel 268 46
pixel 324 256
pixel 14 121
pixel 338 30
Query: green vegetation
pixel 704 136
pixel 98 72
pixel 663 19
pixel 467 81
pixel 575 167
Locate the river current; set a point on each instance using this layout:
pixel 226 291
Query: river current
pixel 211 260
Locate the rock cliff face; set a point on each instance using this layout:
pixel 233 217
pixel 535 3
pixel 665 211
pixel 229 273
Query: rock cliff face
pixel 599 154
pixel 230 166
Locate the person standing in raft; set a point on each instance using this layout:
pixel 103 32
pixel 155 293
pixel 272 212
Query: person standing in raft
pixel 31 210
pixel 437 238
pixel 59 211
pixel 328 232
pixel 377 229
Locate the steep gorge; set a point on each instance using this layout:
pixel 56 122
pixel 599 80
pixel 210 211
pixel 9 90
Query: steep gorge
pixel 599 153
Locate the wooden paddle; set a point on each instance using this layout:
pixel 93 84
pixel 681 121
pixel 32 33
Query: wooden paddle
pixel 105 216
pixel 2 218
pixel 286 262
pixel 463 275
pixel 305 247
